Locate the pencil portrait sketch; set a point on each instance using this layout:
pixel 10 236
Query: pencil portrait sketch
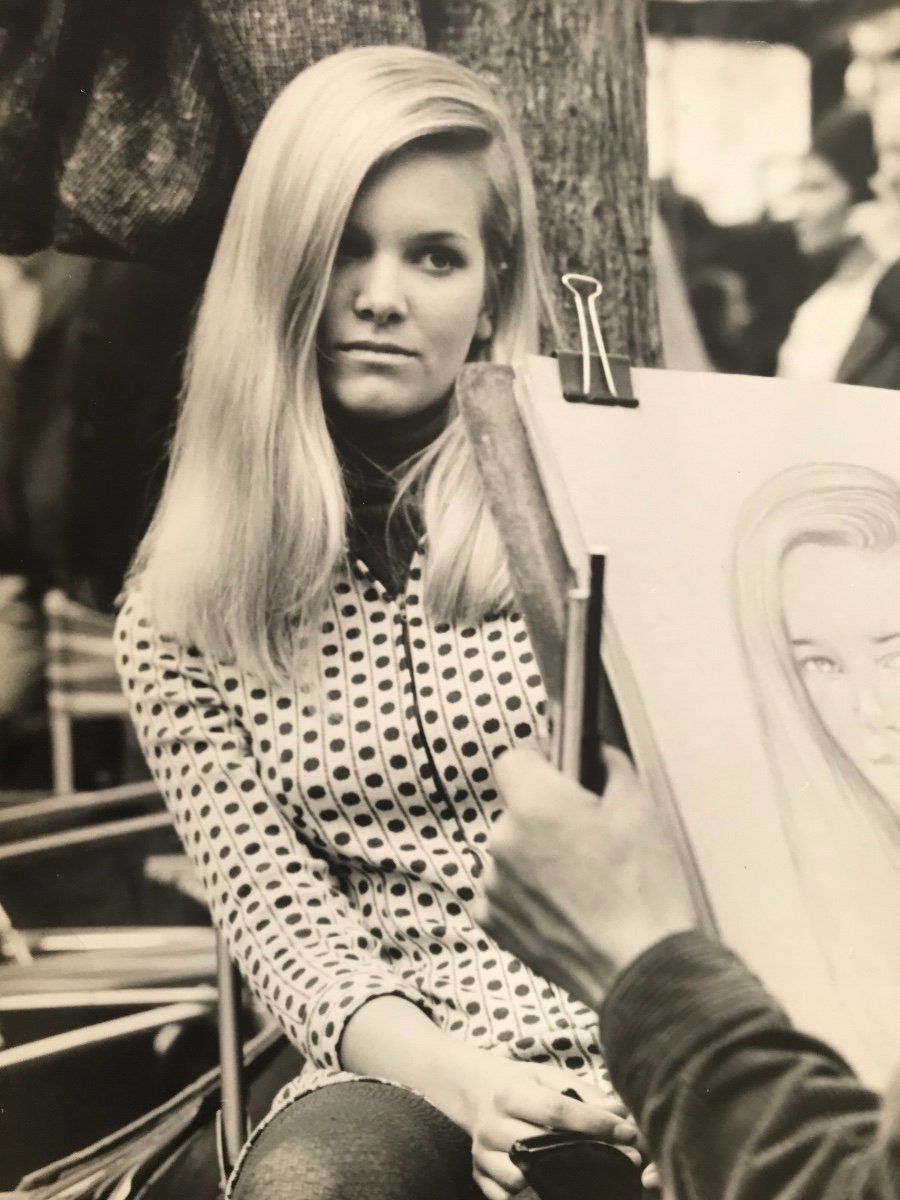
pixel 752 639
pixel 817 600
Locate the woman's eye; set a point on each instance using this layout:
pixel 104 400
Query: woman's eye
pixel 440 261
pixel 350 248
pixel 891 662
pixel 818 664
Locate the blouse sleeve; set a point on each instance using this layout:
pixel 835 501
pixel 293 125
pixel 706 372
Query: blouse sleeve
pixel 298 942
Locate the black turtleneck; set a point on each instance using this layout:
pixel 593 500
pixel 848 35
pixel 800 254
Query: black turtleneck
pixel 373 454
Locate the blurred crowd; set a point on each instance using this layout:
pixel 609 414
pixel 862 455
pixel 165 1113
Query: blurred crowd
pixel 91 355
pixel 812 292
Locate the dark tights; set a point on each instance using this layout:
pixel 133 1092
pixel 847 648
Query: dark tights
pixel 359 1141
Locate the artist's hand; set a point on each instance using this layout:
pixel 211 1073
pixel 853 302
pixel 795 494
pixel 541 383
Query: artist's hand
pixel 510 1100
pixel 580 885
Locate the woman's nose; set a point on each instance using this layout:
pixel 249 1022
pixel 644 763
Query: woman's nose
pixel 379 295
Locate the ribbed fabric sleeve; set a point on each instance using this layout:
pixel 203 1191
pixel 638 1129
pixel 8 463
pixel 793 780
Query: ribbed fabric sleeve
pixel 674 998
pixel 735 1103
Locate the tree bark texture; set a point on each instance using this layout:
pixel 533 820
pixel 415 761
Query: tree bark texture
pixel 123 127
pixel 573 74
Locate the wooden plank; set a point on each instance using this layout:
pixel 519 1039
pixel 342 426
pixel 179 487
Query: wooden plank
pixel 128 997
pixel 48 814
pixel 95 835
pixel 102 1032
pixel 541 570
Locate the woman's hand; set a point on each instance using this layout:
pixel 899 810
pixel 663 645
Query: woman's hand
pixel 511 1100
pixel 497 1100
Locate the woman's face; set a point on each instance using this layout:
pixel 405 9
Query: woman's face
pixel 842 611
pixel 407 293
pixel 821 203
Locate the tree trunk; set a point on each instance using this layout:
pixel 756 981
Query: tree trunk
pixel 573 74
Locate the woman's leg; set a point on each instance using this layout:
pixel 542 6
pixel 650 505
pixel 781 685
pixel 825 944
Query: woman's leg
pixel 359 1141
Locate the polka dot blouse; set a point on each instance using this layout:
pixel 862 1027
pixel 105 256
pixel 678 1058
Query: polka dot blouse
pixel 339 832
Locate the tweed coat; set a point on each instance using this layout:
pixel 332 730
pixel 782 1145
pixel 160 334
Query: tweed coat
pixel 123 126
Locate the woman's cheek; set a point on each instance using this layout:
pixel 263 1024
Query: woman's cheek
pixel 832 702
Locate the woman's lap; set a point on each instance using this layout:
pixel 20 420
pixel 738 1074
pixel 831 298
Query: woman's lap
pixel 364 1140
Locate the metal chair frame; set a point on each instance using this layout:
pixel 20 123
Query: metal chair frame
pixel 92 644
pixel 81 677
pixel 232 1123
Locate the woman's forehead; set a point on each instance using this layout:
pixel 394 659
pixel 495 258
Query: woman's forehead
pixel 842 589
pixel 439 189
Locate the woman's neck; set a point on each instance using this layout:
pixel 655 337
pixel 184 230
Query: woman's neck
pixel 386 442
pixel 371 452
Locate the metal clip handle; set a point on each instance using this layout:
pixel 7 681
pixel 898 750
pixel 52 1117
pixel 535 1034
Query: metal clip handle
pixel 572 282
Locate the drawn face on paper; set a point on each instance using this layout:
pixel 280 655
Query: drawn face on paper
pixel 842 612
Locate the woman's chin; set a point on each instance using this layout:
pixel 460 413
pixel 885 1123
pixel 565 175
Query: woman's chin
pixel 377 404
pixel 885 779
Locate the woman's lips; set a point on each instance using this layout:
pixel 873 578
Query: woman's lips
pixel 377 350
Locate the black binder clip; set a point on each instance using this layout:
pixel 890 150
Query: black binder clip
pixel 599 378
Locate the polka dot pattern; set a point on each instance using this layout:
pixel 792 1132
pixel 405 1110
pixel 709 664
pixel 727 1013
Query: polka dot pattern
pixel 339 827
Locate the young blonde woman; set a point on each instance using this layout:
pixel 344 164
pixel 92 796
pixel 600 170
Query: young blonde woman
pixel 318 643
pixel 817 571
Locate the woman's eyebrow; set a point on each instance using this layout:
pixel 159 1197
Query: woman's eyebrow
pixel 884 637
pixel 441 235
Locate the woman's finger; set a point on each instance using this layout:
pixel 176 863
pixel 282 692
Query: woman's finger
pixel 501 1131
pixel 650 1177
pixel 631 1153
pixel 491 1190
pixel 602 1095
pixel 502 1169
pixel 598 1095
pixel 497 1177
pixel 545 1107
pixel 625 1133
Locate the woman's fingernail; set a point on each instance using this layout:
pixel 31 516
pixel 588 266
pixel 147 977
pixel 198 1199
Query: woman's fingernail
pixel 625 1131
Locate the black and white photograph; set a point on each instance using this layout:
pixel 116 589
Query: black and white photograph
pixel 450 600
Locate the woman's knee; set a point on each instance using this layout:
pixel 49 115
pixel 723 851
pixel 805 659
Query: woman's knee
pixel 366 1140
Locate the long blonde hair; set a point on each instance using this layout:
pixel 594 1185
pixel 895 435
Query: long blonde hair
pixel 251 527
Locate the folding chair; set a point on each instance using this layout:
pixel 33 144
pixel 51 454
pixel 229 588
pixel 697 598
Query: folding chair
pixel 165 1003
pixel 81 677
pixel 232 1121
pixel 82 682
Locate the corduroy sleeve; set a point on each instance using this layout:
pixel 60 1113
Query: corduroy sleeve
pixel 298 942
pixel 732 1100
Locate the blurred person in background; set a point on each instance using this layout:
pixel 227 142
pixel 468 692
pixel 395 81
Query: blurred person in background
pixel 744 281
pixel 874 355
pixel 37 295
pixel 875 56
pixel 90 362
pixel 834 178
pixel 721 302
